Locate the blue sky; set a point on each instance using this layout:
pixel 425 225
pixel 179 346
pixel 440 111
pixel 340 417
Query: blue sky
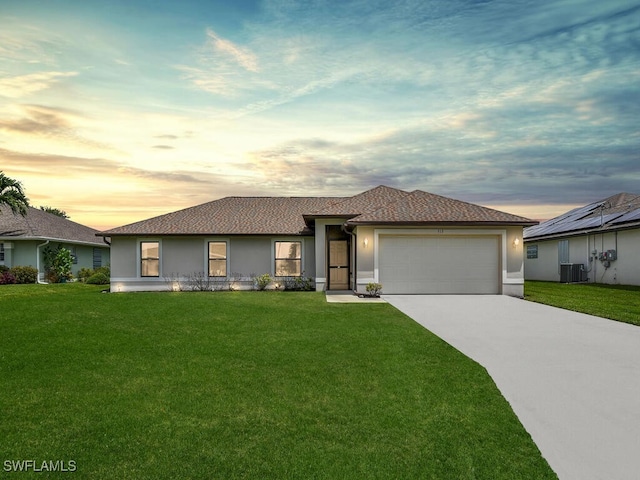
pixel 118 111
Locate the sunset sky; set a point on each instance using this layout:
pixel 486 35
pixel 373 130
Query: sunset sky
pixel 120 110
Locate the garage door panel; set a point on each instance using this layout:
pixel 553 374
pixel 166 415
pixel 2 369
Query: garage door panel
pixel 439 265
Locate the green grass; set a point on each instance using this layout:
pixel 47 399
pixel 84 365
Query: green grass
pixel 244 385
pixel 617 302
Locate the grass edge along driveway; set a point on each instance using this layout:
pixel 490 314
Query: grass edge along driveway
pixel 615 302
pixel 244 385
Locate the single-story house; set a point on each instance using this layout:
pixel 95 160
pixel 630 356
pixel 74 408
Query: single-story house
pixel 410 242
pixel 24 238
pixel 598 243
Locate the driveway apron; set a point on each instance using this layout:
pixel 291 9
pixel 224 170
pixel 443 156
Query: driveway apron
pixel 572 379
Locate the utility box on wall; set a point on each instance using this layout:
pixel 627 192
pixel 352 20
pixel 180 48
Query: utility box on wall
pixel 608 256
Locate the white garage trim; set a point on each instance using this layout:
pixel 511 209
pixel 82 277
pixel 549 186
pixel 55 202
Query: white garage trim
pixel 501 278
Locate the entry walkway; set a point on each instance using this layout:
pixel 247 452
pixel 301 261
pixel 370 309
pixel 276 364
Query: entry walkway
pixel 572 379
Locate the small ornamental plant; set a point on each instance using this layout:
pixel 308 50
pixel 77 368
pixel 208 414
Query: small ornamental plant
pixel 374 289
pixel 61 265
pixel 262 281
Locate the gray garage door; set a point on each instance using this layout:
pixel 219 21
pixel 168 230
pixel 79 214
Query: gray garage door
pixel 439 265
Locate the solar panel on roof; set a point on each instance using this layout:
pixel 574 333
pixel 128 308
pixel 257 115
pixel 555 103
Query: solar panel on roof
pixel 628 217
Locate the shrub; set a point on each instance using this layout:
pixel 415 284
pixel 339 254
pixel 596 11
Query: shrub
pixel 7 278
pixel 301 283
pixel 26 274
pixel 98 279
pixel 58 264
pixel 262 281
pixel 374 289
pixel 84 274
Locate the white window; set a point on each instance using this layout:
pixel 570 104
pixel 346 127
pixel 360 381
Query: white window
pixel 150 259
pixel 217 259
pixel 563 251
pixel 288 259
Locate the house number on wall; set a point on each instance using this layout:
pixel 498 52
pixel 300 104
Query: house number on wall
pixel 441 230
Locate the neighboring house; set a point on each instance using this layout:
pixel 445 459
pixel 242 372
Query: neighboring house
pixel 23 240
pixel 597 243
pixel 411 242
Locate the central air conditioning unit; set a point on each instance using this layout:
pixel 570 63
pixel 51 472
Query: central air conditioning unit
pixel 572 273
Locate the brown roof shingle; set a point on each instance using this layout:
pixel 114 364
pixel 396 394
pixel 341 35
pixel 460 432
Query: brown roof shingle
pixel 364 202
pixel 420 207
pixel 233 216
pixel 38 224
pixel 293 215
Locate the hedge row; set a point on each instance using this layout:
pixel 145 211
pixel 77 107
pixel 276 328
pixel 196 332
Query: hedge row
pixel 17 274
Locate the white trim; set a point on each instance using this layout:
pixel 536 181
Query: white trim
pixel 56 240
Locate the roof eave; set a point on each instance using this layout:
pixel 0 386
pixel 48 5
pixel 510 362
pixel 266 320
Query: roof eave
pixel 303 233
pixel 476 223
pixel 576 233
pixel 40 238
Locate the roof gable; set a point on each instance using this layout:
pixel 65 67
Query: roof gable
pixel 38 224
pixel 424 207
pixel 364 202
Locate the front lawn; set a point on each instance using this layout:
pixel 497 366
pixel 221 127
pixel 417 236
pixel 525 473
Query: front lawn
pixel 244 385
pixel 617 302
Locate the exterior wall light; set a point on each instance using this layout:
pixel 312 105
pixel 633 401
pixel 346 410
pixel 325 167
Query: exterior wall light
pixel 516 242
pixel 365 242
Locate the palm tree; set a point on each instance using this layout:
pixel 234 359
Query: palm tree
pixel 12 195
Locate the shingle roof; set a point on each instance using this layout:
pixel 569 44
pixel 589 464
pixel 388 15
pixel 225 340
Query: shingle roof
pixel 233 216
pixel 293 215
pixel 38 224
pixel 364 202
pixel 420 207
pixel 621 210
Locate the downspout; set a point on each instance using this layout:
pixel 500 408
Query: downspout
pixel 104 239
pixel 38 260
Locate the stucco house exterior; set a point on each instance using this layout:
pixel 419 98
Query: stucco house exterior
pixel 23 240
pixel 410 242
pixel 597 243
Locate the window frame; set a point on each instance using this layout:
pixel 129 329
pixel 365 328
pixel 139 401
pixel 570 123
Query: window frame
pixel 289 259
pixel 142 259
pixel 532 251
pixel 209 259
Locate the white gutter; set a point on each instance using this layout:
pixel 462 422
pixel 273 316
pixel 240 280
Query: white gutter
pixel 38 259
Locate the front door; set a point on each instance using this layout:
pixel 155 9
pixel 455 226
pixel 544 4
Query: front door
pixel 338 265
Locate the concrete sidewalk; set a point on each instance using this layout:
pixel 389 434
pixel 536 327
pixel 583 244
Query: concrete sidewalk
pixel 572 379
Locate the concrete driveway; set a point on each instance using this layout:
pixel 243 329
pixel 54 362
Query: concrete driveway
pixel 572 379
